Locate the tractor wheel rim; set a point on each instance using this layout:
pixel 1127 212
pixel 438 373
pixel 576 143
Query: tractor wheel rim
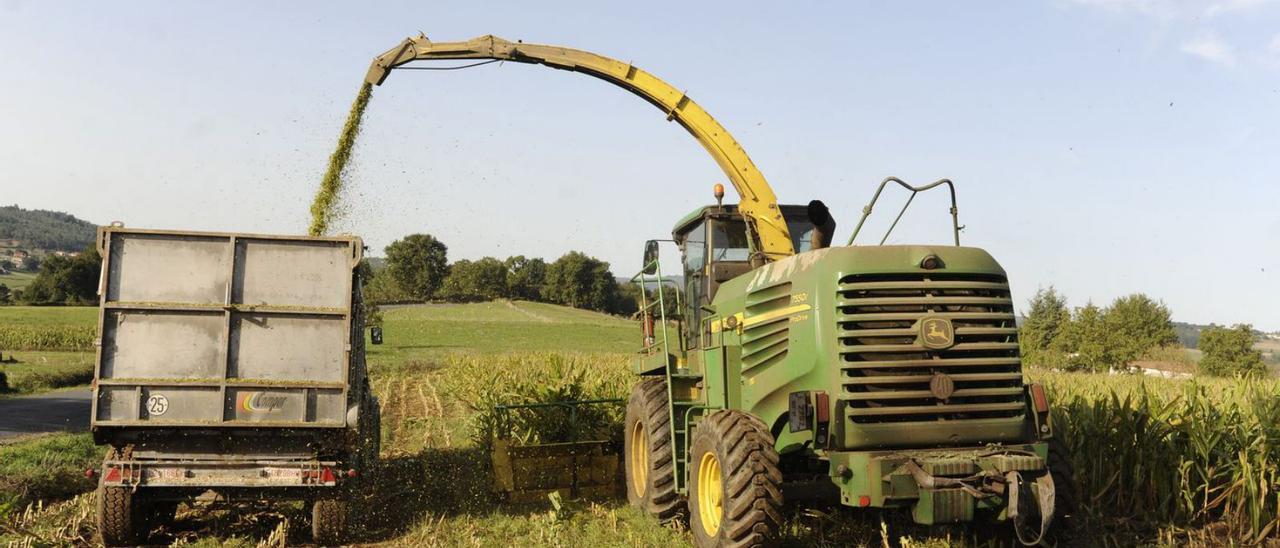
pixel 639 458
pixel 710 494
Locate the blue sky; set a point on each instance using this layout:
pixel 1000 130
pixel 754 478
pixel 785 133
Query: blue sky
pixel 1101 146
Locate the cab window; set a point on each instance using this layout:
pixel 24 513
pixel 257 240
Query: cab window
pixel 695 249
pixel 729 242
pixel 801 231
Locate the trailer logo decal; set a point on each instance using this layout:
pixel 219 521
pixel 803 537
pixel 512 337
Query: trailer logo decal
pixel 157 405
pixel 261 401
pixel 937 333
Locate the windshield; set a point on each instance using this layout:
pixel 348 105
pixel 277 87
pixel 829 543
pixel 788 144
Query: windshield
pixel 801 230
pixel 729 241
pixel 695 250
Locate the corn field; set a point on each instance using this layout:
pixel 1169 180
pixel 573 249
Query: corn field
pixel 71 338
pixel 1171 455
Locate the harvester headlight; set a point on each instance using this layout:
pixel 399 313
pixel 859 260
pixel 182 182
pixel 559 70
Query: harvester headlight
pixel 931 262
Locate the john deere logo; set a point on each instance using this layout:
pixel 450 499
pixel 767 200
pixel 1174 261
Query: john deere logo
pixel 937 333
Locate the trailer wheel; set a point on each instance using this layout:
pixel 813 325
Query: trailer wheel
pixel 650 472
pixel 329 521
pixel 119 517
pixel 735 484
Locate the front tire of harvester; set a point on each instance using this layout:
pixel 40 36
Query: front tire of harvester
pixel 329 521
pixel 650 472
pixel 1065 502
pixel 118 517
pixel 735 483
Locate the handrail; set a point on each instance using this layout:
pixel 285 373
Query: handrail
pixel 866 211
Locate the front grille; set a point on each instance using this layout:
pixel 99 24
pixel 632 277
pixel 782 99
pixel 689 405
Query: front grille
pixel 888 369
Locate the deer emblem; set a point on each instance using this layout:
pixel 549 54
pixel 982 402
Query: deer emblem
pixel 937 333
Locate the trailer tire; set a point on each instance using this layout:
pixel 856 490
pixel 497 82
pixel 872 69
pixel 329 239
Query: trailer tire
pixel 650 471
pixel 735 482
pixel 119 518
pixel 329 521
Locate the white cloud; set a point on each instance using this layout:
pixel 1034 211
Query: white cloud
pixel 1274 47
pixel 1211 48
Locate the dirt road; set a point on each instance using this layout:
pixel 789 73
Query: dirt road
pixel 51 412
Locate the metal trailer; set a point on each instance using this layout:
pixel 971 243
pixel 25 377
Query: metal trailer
pixel 230 367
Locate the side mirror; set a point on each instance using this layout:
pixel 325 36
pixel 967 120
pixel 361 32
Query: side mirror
pixel 375 335
pixel 651 257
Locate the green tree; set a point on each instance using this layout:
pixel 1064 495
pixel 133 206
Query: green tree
pixel 1229 352
pixel 1137 323
pixel 5 296
pixel 418 263
pixel 1084 343
pixel 525 277
pixel 485 279
pixel 66 280
pixel 1047 317
pixel 581 281
pixel 381 288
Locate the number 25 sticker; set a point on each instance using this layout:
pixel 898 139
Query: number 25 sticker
pixel 157 405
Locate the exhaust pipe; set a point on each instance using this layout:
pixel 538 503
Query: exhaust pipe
pixel 824 225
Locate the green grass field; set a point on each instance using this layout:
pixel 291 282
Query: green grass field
pixel 17 280
pixel 444 366
pixel 44 468
pixel 51 345
pixel 36 372
pixel 424 331
pixel 49 315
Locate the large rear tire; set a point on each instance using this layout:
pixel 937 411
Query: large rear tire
pixel 119 517
pixel 735 483
pixel 1065 501
pixel 329 521
pixel 650 472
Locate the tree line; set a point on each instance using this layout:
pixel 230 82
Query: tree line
pixel 60 281
pixel 41 229
pixel 418 269
pixel 1092 338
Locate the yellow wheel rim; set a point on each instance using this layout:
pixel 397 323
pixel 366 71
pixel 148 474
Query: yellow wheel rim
pixel 710 494
pixel 639 458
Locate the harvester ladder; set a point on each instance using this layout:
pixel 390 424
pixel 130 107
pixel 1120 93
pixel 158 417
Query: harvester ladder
pixel 671 366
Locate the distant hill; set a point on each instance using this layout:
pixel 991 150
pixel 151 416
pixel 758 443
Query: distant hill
pixel 41 229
